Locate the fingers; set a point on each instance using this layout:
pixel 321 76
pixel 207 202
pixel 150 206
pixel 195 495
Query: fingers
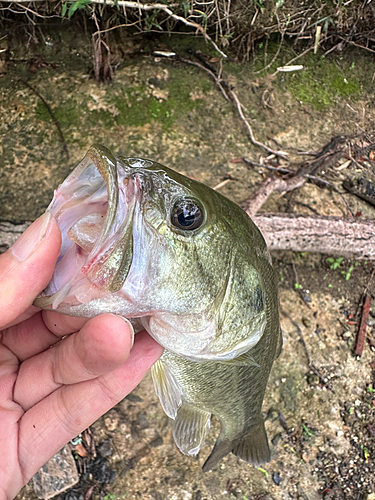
pixel 38 332
pixel 28 338
pixel 60 324
pixel 47 426
pixel 26 268
pixel 102 344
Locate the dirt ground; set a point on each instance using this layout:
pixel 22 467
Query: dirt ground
pixel 321 421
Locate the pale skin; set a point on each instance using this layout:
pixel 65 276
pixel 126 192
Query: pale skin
pixel 58 374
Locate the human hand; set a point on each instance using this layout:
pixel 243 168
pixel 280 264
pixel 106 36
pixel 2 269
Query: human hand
pixel 58 374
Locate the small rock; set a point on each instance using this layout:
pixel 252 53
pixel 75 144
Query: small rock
pixel 157 442
pixel 105 448
pixel 111 420
pixel 276 439
pixel 57 475
pixel 276 478
pixel 133 398
pixel 306 322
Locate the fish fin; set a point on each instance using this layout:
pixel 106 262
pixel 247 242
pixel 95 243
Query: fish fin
pixel 190 428
pixel 244 359
pixel 166 388
pixel 220 450
pixel 253 447
pixel 279 344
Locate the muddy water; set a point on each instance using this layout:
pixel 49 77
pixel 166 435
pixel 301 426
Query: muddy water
pixel 321 427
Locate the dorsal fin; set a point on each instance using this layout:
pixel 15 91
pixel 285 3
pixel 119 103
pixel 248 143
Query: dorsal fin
pixel 190 428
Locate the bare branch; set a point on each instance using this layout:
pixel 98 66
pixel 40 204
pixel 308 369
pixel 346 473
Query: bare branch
pixel 282 154
pixel 330 235
pixel 146 7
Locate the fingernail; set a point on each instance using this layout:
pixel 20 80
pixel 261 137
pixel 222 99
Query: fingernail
pixel 131 328
pixel 29 241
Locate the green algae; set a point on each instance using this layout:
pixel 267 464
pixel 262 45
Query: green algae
pixel 322 82
pixel 134 106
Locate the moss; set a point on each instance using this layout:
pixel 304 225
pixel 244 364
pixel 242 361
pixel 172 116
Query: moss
pixel 137 107
pixel 67 114
pixel 323 82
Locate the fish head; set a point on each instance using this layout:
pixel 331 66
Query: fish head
pixel 143 241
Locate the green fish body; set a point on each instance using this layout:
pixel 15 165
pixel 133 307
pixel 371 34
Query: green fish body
pixel 175 256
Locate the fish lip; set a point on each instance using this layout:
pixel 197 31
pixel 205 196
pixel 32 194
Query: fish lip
pixel 96 178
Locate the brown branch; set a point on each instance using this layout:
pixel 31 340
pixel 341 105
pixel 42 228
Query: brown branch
pixel 330 235
pixel 361 337
pixel 324 159
pixel 272 184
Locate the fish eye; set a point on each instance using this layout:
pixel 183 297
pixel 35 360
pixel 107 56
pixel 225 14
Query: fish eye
pixel 187 215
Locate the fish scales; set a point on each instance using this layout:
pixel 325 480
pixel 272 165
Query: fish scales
pixel 171 254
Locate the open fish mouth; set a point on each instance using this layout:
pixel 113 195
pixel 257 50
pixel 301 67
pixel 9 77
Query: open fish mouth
pixel 94 208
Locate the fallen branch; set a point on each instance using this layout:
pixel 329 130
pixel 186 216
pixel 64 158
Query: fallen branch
pixel 272 184
pixel 330 235
pixel 361 336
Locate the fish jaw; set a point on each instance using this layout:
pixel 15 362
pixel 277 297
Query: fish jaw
pixel 94 208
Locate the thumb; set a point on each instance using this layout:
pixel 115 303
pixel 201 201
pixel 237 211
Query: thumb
pixel 27 267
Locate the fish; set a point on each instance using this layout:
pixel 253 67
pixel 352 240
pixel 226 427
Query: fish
pixel 189 266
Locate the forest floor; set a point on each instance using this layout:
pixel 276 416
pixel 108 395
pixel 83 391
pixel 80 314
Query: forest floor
pixel 321 426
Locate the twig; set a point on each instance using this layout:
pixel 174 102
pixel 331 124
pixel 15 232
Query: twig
pixel 281 170
pixel 221 83
pixel 295 59
pixel 272 184
pixel 323 159
pixel 363 326
pixel 222 184
pixel 211 73
pixel 54 119
pixel 274 57
pixel 164 8
pixel 282 154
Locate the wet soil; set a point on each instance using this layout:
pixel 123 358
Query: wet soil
pixel 321 422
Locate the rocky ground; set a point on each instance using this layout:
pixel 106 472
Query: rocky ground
pixel 320 402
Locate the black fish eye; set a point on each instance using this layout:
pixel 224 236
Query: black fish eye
pixel 186 215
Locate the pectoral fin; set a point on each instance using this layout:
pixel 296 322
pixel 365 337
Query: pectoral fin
pixel 190 428
pixel 166 388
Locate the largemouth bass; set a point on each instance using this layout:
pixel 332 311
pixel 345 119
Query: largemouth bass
pixel 177 257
